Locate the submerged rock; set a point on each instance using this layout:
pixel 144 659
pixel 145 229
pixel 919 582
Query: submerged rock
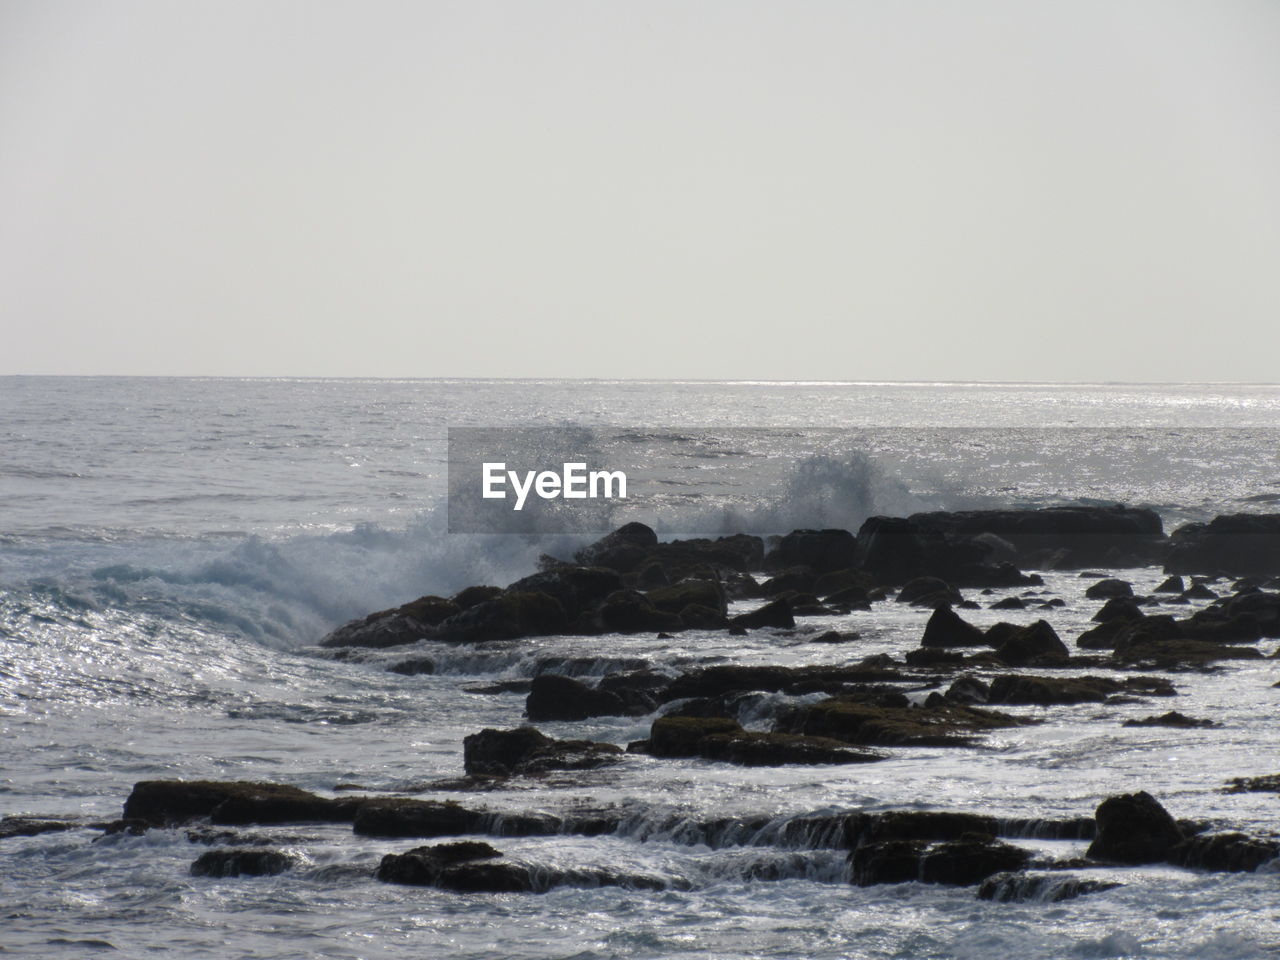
pixel 965 861
pixel 31 826
pixel 1224 852
pixel 1039 887
pixel 1171 719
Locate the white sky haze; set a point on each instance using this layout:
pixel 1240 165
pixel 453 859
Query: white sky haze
pixel 997 189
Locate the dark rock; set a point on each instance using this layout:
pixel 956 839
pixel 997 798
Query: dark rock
pixel 1171 585
pixel 577 589
pixel 776 613
pixel 628 611
pixel 928 592
pixel 1009 603
pixel 703 593
pixel 553 697
pixel 393 628
pixel 1034 642
pixel 1039 887
pixel 423 866
pixel 697 617
pixel 622 550
pixel 639 690
pixel 820 550
pixel 31 826
pixel 1224 852
pixel 946 629
pixel 527 752
pixel 465 599
pixel 1108 589
pixel 241 862
pixel 1134 828
pixel 413 667
pixel 858 722
pixel 1045 691
pixel 1198 591
pixel 791 580
pixel 854 598
pixel 715 738
pixel 1175 653
pixel 929 825
pixel 1119 608
pixel 1171 719
pixel 839 581
pixel 169 802
pixel 1115 536
pixel 1270 783
pixel 968 690
pixel 965 861
pixel 510 616
pixel 402 817
pixel 1242 544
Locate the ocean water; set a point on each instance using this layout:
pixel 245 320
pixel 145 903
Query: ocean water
pixel 172 549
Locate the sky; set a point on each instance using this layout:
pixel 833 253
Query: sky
pixel 718 189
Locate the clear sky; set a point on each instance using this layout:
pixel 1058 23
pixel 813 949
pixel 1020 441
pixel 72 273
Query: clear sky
pixel 935 189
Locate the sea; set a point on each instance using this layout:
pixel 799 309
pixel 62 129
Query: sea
pixel 172 549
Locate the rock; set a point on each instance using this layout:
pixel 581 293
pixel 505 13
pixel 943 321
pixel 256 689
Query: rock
pixel 242 862
pixel 639 690
pixel 791 580
pixel 1038 887
pixel 820 550
pixel 697 617
pixel 402 817
pixel 628 611
pixel 1108 589
pixel 1198 591
pixel 857 722
pixel 1113 633
pixel 965 861
pixel 413 667
pixel 423 866
pixel 1242 544
pixel 1045 691
pixel 527 752
pixel 510 616
pixel 854 598
pixel 1119 608
pixel 716 738
pixel 703 593
pixel 1034 642
pixel 839 581
pixel 1224 852
pixel 31 826
pixel 553 697
pixel 946 629
pixel 1009 603
pixel 776 613
pixel 1114 536
pixel 622 550
pixel 1176 653
pixel 930 825
pixel 928 592
pixel 1270 783
pixel 1134 828
pixel 170 802
pixel 393 628
pixel 1171 585
pixel 968 690
pixel 578 589
pixel 469 597
pixel 1171 719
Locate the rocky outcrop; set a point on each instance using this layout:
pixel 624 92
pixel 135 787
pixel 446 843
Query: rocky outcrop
pixel 947 629
pixel 396 627
pixel 723 739
pixel 1134 828
pixel 965 861
pixel 1116 536
pixel 1039 887
pixel 233 802
pixel 855 721
pixel 552 697
pixel 242 863
pixel 1242 544
pixel 1045 691
pixel 526 751
pixel 822 551
pixel 1022 645
pixel 776 613
pixel 1172 719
